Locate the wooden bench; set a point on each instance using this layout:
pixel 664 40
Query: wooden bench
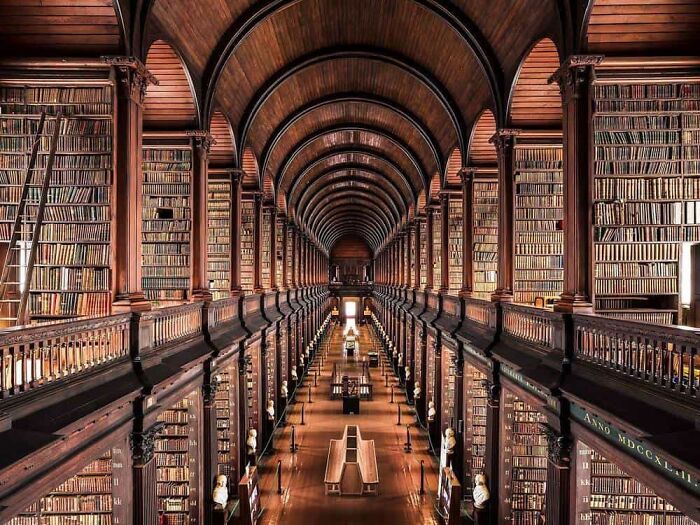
pixel 351 468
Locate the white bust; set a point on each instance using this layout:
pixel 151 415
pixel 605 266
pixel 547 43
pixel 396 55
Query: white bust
pixel 270 409
pixel 301 360
pixel 284 389
pixel 400 359
pixel 220 495
pixel 295 376
pixel 417 390
pixel 481 492
pixel 407 370
pixel 431 411
pixel 450 442
pixel 252 441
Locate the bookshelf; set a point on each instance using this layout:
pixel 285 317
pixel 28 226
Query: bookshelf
pixel 219 234
pixel 485 247
pixel 176 462
pixel 437 249
pixel 524 462
pixel 271 372
pixel 448 381
pixel 430 372
pixel 265 242
pixel 290 257
pixel 227 423
pixel 71 275
pixel 538 218
pixel 279 249
pixel 475 400
pixel 167 222
pixel 455 227
pixel 606 494
pixel 252 390
pixel 247 245
pixel 646 194
pixel 85 498
pixel 423 256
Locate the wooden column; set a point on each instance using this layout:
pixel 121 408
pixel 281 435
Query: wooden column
pixel 444 243
pixel 285 254
pixel 273 249
pixel 575 79
pixel 145 498
pixel 429 259
pixel 416 262
pixel 558 503
pixel 257 243
pixel 209 446
pixel 492 452
pixel 202 142
pixel 504 140
pixel 467 176
pixel 236 197
pixel 133 79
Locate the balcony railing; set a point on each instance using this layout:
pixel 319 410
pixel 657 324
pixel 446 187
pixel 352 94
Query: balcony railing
pixel 222 311
pixel 480 311
pixel 175 323
pixel 37 355
pixel 664 356
pixel 533 325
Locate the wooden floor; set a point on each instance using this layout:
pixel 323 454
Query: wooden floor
pixel 303 500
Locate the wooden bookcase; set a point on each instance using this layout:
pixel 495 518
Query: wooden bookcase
pixel 227 433
pixel 247 244
pixel 423 256
pixel 71 275
pixel 167 220
pixel 455 228
pixel 85 498
pixel 219 234
pixel 523 462
pixel 538 219
pixel 475 406
pixel 606 495
pixel 485 247
pixel 646 194
pixel 265 242
pixel 176 460
pixel 431 374
pixel 437 248
pixel 279 250
pixel 271 374
pixel 290 257
pixel 448 392
pixel 252 390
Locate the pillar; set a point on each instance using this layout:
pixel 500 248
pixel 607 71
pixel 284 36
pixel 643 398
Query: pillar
pixel 145 499
pixel 202 142
pixel 132 80
pixel 235 233
pixel 492 452
pixel 575 79
pixel 558 507
pixel 504 140
pixel 467 176
pixel 209 446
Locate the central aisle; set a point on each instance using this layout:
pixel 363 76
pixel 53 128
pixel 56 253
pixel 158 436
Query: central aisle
pixel 303 500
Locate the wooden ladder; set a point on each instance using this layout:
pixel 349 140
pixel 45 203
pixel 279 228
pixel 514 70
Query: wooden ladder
pixel 26 232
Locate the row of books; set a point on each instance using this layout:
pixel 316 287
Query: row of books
pixel 69 304
pixel 636 91
pixel 646 106
pixel 635 269
pixel 56 95
pixel 66 278
pixel 58 178
pixel 86 144
pixel 84 127
pixel 639 213
pixel 485 236
pixel 68 110
pixel 455 242
pixel 636 234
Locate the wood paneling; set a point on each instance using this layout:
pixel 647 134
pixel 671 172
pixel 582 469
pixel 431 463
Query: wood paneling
pixel 223 151
pixel 351 247
pixel 534 102
pixel 481 152
pixel 644 26
pixel 267 189
pixel 251 176
pixel 435 187
pixel 281 203
pixel 59 27
pixel 454 164
pixel 170 104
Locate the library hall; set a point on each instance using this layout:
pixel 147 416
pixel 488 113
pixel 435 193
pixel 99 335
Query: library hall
pixel 353 262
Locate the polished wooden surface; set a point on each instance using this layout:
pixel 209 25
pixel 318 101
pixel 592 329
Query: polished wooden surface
pixel 303 499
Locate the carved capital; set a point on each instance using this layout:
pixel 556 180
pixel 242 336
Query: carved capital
pixel 504 139
pixel 236 176
pixel 143 443
pixel 202 140
pixel 493 393
pixel 558 447
pixel 466 175
pixel 133 77
pixel 210 389
pixel 576 72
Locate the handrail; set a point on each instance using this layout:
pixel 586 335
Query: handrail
pixel 664 356
pixel 33 356
pixel 222 311
pixel 533 325
pixel 480 311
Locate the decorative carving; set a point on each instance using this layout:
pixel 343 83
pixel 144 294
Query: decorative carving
pixel 577 71
pixel 493 393
pixel 504 139
pixel 202 140
pixel 143 443
pixel 209 390
pixel 134 78
pixel 467 175
pixel 558 446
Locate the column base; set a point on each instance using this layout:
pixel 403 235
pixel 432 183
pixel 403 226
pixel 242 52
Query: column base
pixel 131 302
pixel 202 295
pixel 502 296
pixel 573 304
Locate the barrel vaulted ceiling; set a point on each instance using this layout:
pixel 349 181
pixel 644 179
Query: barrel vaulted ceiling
pixel 344 111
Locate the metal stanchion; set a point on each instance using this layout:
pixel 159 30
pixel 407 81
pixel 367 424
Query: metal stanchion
pixel 392 394
pixel 422 477
pixel 398 414
pixel 386 380
pixel 408 446
pixel 293 446
pixel 309 399
pixel 302 413
pixel 315 377
pixel 279 476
